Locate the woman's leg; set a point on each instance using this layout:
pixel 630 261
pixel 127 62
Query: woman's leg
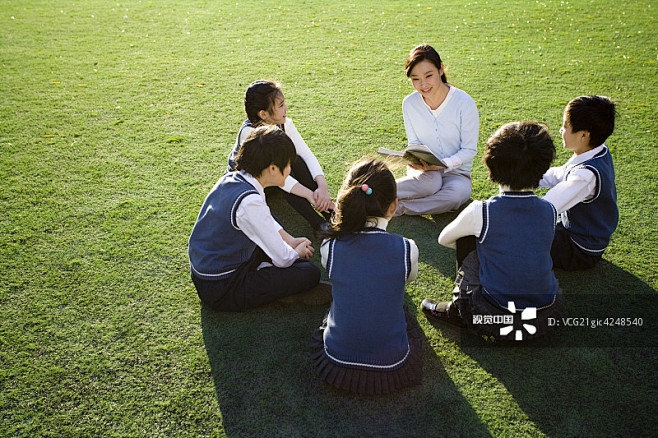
pixel 455 191
pixel 419 184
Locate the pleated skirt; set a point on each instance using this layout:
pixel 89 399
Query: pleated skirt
pixel 371 382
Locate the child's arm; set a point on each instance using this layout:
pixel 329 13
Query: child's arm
pixel 320 198
pixel 302 191
pixel 413 254
pixel 468 223
pixel 552 177
pixel 302 149
pixel 321 195
pixel 578 187
pixel 254 219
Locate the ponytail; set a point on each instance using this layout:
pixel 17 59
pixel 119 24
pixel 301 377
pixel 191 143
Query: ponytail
pixel 368 191
pixel 260 95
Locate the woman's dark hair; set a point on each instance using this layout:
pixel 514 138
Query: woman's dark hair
pixel 354 206
pixel 420 53
pixel 265 145
pixel 594 114
pixel 518 154
pixel 260 95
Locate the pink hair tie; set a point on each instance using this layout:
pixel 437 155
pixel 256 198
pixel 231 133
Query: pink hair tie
pixel 366 189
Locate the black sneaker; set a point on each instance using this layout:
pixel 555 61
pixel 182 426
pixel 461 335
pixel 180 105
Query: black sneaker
pixel 444 311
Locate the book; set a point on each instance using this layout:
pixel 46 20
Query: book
pixel 414 153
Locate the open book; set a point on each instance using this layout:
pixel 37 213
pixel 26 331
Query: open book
pixel 414 153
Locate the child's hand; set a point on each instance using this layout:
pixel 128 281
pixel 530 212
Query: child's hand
pixel 303 247
pixel 425 166
pixel 322 200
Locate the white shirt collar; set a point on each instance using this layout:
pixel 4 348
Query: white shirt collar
pixel 254 182
pixel 377 222
pixel 503 188
pixel 577 159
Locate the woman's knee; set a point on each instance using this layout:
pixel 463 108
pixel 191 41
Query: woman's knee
pixel 419 186
pixel 458 190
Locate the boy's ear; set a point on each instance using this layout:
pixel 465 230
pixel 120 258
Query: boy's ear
pixel 585 136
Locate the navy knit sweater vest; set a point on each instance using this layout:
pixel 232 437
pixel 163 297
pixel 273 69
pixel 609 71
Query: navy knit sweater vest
pixel 514 250
pixel 591 223
pixel 366 327
pixel 217 246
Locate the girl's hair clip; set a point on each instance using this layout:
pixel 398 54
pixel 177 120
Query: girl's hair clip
pixel 366 189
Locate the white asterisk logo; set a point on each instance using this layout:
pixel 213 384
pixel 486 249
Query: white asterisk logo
pixel 527 314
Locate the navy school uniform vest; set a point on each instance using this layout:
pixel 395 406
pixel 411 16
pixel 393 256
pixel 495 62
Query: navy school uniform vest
pixel 366 326
pixel 592 222
pixel 236 148
pixel 217 247
pixel 514 250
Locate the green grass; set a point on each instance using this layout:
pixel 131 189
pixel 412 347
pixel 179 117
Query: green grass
pixel 115 121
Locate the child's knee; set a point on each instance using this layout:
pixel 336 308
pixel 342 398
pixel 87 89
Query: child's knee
pixel 309 273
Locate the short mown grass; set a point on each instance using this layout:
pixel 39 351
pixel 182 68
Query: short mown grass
pixel 116 119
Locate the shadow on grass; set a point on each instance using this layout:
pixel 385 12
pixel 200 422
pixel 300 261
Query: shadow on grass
pixel 266 384
pixel 425 232
pixel 586 378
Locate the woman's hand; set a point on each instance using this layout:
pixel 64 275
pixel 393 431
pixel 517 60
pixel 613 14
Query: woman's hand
pixel 425 166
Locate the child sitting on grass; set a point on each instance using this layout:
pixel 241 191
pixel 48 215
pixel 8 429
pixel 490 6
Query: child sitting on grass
pixel 240 257
pixel 305 189
pixel 503 244
pixel 583 189
pixel 368 343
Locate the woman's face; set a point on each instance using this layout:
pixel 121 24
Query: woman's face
pixel 277 114
pixel 426 78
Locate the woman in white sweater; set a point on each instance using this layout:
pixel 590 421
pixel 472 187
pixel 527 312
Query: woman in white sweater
pixel 445 119
pixel 306 188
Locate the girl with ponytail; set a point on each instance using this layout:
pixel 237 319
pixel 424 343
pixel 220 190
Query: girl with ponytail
pixel 368 343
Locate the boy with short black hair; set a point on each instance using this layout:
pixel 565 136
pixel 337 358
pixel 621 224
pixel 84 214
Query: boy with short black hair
pixel 583 189
pixel 503 244
pixel 240 257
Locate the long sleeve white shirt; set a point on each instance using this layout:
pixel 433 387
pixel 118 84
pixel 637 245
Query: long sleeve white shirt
pixel 301 148
pixel 381 223
pixel 468 223
pixel 255 220
pixel 567 192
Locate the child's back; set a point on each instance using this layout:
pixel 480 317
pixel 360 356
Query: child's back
pixel 503 244
pixel 366 325
pixel 368 343
pixel 514 249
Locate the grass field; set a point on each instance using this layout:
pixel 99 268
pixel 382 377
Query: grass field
pixel 116 118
